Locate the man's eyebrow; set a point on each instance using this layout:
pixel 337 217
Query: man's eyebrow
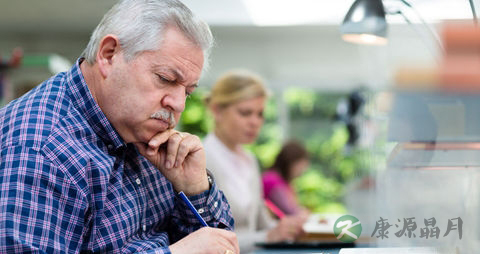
pixel 181 78
pixel 178 75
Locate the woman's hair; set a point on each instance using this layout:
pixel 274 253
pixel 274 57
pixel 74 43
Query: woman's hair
pixel 291 152
pixel 139 26
pixel 235 86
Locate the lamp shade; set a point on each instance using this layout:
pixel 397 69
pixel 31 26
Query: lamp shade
pixel 365 23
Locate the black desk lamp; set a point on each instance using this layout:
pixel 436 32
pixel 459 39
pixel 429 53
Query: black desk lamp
pixel 365 22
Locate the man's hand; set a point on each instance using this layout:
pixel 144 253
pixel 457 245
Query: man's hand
pixel 209 241
pixel 181 159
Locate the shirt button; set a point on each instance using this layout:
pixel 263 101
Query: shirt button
pixel 110 147
pixel 144 227
pixel 201 210
pixel 138 181
pixel 215 204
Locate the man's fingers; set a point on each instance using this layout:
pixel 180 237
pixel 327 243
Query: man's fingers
pixel 142 148
pixel 159 139
pixel 151 150
pixel 145 150
pixel 232 238
pixel 183 150
pixel 229 241
pixel 174 142
pixel 179 146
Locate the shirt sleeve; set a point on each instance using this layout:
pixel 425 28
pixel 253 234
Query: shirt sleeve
pixel 42 211
pixel 282 198
pixel 211 205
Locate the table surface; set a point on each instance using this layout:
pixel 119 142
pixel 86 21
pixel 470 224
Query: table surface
pixel 316 250
pixel 313 251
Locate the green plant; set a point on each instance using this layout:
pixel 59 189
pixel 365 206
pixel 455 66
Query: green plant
pixel 312 121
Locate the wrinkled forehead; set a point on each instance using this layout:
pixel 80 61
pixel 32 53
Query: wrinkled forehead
pixel 178 56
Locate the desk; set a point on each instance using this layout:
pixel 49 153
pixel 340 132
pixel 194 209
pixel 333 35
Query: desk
pixel 316 250
pixel 364 250
pixel 292 251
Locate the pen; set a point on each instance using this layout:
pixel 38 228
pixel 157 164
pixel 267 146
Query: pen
pixel 192 208
pixel 274 209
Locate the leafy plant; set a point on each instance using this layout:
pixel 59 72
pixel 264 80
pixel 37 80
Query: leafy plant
pixel 312 121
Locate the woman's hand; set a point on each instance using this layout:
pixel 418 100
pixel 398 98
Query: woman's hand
pixel 289 228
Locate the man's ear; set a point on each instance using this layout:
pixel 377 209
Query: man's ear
pixel 108 48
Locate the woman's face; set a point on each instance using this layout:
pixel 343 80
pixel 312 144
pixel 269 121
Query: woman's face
pixel 240 122
pixel 299 167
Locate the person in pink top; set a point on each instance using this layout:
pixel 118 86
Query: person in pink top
pixel 290 163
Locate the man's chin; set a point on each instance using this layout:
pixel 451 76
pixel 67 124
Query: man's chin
pixel 155 131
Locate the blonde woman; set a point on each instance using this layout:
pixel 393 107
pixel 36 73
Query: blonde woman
pixel 237 103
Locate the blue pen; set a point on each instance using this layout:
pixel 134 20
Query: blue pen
pixel 192 208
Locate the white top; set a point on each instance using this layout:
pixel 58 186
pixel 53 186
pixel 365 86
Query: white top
pixel 237 175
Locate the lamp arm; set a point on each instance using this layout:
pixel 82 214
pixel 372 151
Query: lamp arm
pixel 474 13
pixel 472 7
pixel 422 35
pixel 429 28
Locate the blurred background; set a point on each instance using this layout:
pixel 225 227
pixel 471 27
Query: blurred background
pixel 330 94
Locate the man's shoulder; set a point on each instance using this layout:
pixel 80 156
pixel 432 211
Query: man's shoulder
pixel 32 117
pixel 44 126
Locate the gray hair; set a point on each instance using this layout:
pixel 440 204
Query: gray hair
pixel 139 26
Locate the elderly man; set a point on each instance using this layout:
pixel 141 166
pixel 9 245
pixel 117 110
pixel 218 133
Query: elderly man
pixel 90 160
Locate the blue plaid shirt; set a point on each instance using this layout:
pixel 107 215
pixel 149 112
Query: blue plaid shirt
pixel 69 183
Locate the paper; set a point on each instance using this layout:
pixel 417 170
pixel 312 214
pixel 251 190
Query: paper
pixel 320 223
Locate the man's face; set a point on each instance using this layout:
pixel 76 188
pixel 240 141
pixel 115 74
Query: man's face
pixel 139 95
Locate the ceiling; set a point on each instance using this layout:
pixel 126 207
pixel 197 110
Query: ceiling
pixel 289 42
pixel 74 15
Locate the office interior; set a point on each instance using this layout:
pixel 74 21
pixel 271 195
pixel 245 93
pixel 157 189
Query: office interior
pixel 297 46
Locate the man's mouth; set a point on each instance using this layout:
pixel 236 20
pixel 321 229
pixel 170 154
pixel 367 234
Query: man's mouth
pixel 166 116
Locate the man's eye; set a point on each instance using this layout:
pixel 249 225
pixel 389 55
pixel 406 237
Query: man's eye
pixel 165 80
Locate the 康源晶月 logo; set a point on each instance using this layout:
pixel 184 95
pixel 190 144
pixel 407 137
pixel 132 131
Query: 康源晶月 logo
pixel 347 228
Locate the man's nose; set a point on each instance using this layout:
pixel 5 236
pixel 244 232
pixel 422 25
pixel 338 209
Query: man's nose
pixel 175 98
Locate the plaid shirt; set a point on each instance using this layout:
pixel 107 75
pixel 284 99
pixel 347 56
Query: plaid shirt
pixel 69 183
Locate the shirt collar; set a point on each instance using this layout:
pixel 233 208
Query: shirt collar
pixel 241 154
pixel 84 102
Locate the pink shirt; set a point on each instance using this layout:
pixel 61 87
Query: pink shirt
pixel 279 192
